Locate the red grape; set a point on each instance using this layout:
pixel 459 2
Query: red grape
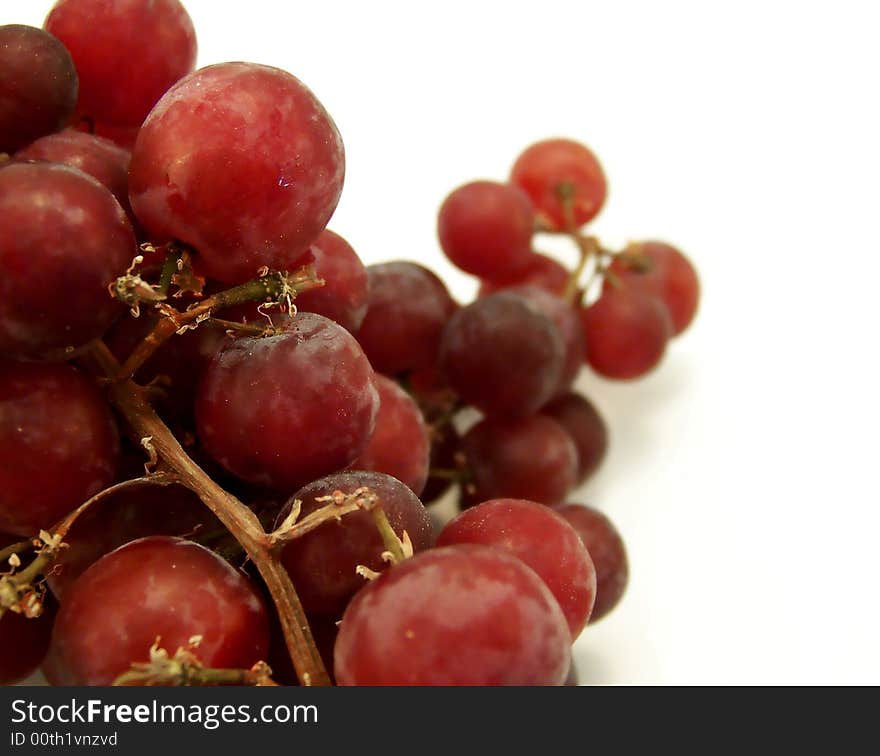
pixel 460 615
pixel 520 458
pixel 409 307
pixel 58 443
pixel 100 158
pixel 503 355
pixel 343 297
pixel 582 421
pixel 24 642
pixel 540 271
pixel 399 445
pixel 38 86
pixel 565 317
pixel 543 540
pixel 485 228
pixel 607 551
pixel 157 587
pixel 285 409
pixel 241 162
pixel 660 269
pixel 549 169
pixel 127 515
pixel 127 53
pixel 626 332
pixel 63 239
pixel 322 563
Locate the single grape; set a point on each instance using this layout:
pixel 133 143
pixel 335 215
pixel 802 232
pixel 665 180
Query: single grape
pixel 124 516
pixel 127 53
pixel 156 587
pixel 543 540
pixel 626 332
pixel 554 169
pixel 322 563
pixel 58 443
pixel 582 421
pixel 520 458
pixel 460 615
pixel 541 271
pixel 660 269
pixel 503 355
pixel 408 309
pixel 485 228
pixel 285 409
pixel 63 240
pixel 102 159
pixel 399 445
pixel 344 295
pixel 38 85
pixel 566 319
pixel 607 551
pixel 241 162
pixel 24 641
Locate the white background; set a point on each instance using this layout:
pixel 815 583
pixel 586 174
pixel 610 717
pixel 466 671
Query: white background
pixel 743 472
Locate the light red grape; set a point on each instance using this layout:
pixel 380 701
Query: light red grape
pixel 626 332
pixel 127 53
pixel 485 228
pixel 460 615
pixel 58 444
pixel 660 269
pixel 282 410
pixel 548 170
pixel 543 540
pixel 241 162
pixel 156 588
pixel 540 271
pixel 38 87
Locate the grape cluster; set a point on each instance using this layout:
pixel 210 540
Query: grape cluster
pixel 219 430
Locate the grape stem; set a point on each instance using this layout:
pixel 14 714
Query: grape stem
pixel 589 247
pixel 130 401
pixel 340 504
pixel 274 286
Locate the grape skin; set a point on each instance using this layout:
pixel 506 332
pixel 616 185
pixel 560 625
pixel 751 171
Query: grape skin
pixel 399 445
pixel 38 87
pixel 503 355
pixel 241 162
pixel 58 443
pixel 322 563
pixel 459 615
pixel 519 458
pixel 64 239
pixel 582 421
pixel 156 587
pixel 540 271
pixel 282 410
pixel 543 540
pixel 127 53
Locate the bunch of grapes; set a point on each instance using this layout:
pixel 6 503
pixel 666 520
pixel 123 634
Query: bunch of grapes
pixel 219 429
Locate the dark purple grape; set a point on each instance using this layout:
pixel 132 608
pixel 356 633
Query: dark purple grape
pixel 58 444
pixel 25 642
pixel 519 458
pixel 322 563
pixel 63 240
pixel 503 355
pixel 281 410
pixel 408 309
pixel 587 429
pixel 400 445
pixel 38 86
